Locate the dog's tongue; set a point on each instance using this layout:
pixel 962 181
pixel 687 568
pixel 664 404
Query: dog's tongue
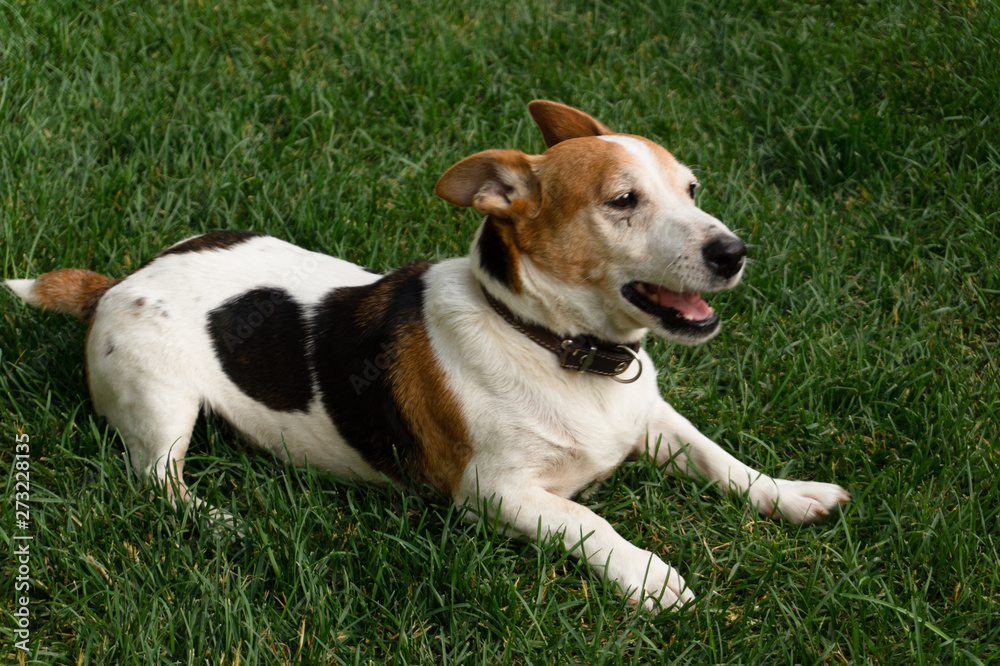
pixel 688 303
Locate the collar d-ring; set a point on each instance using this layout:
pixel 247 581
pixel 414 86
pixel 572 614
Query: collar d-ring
pixel 637 360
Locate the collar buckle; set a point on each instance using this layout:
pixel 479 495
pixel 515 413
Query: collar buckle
pixel 583 353
pixel 570 356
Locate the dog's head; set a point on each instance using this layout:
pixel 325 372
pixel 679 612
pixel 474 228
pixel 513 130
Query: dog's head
pixel 600 233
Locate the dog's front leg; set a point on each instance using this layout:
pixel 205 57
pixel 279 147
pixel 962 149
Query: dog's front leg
pixel 676 443
pixel 534 513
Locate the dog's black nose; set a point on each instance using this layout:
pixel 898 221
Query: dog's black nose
pixel 724 256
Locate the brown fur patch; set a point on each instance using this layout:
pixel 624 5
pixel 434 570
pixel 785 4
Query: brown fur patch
pixel 381 383
pixel 431 410
pixel 71 291
pixel 574 176
pixel 379 297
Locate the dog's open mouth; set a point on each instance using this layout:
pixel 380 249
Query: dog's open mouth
pixel 680 311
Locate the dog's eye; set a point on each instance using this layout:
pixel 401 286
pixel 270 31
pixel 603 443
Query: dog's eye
pixel 691 188
pixel 626 201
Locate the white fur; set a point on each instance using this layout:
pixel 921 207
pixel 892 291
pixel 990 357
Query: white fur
pixel 22 288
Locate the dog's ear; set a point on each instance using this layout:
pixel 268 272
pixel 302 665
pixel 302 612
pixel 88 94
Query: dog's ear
pixel 559 122
pixel 501 183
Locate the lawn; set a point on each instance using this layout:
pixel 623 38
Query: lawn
pixel 855 147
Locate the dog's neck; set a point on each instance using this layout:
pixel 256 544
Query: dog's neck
pixel 582 353
pixel 565 310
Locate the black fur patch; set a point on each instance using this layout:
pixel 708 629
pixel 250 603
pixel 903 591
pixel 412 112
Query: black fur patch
pixel 495 256
pixel 261 340
pixel 356 332
pixel 214 240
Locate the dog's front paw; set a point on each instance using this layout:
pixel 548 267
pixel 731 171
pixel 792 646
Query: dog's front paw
pixel 800 502
pixel 654 584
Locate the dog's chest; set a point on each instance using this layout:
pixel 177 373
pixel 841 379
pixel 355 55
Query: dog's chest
pixel 530 421
pixel 587 441
pixel 563 438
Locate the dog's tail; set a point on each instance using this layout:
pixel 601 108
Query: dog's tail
pixel 68 290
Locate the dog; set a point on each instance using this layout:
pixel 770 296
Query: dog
pixel 509 380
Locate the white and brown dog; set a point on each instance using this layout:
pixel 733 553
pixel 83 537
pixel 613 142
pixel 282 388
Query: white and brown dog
pixel 510 379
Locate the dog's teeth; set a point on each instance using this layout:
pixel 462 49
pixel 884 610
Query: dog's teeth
pixel 647 290
pixel 687 316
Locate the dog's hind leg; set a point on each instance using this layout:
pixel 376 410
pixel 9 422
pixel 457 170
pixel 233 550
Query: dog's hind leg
pixel 156 426
pixel 155 415
pixel 156 429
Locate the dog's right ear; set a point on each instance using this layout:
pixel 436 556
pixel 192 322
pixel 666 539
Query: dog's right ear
pixel 499 183
pixel 559 122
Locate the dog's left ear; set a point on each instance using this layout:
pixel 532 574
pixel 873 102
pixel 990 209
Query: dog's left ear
pixel 559 122
pixel 500 183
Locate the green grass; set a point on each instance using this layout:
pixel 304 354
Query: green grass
pixel 854 146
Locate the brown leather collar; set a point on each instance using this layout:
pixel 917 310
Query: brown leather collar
pixel 583 353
